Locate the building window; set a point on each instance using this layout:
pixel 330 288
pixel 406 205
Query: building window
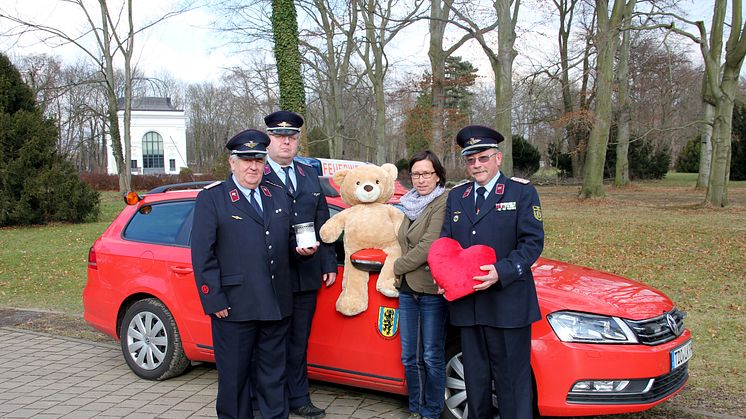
pixel 152 153
pixel 172 165
pixel 133 164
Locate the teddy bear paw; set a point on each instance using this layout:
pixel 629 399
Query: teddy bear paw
pixel 349 308
pixel 388 291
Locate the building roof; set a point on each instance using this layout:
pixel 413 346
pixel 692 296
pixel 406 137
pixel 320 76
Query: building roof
pixel 149 103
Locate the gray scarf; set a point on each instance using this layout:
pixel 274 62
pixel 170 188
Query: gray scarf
pixel 413 203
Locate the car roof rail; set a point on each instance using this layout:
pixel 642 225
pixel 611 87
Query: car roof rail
pixel 178 186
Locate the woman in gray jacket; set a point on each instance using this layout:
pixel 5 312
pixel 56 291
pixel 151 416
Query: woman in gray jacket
pixel 422 311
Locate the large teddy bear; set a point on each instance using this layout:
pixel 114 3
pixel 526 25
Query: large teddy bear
pixel 368 223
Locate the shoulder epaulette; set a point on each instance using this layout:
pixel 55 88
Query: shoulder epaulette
pixel 520 180
pixel 213 184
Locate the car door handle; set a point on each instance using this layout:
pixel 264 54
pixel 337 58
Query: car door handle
pixel 183 270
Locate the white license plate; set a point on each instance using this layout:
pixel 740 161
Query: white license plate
pixel 681 355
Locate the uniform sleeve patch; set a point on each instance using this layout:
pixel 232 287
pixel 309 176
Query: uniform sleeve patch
pixel 537 212
pixel 520 180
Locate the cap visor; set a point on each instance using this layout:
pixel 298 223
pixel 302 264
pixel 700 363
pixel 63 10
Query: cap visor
pixel 282 131
pixel 477 149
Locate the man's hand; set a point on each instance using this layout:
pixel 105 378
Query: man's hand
pixel 329 278
pixel 221 314
pixel 487 280
pixel 307 251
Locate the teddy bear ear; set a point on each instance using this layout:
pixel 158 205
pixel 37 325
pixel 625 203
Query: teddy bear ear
pixel 339 176
pixel 391 170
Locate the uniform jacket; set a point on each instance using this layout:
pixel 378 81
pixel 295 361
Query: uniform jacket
pixel 415 238
pixel 241 260
pixel 308 204
pixel 510 222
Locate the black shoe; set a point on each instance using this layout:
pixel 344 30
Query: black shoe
pixel 309 411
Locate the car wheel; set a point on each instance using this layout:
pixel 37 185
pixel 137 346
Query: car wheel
pixel 455 391
pixel 150 341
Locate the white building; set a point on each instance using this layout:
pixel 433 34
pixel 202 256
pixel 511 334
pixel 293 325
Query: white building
pixel 158 137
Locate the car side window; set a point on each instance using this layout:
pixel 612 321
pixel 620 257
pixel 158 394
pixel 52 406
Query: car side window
pixel 164 223
pixel 339 246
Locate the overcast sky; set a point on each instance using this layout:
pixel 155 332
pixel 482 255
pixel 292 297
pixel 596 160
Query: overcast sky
pixel 188 48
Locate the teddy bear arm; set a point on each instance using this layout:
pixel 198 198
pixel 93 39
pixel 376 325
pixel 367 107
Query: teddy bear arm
pixel 333 227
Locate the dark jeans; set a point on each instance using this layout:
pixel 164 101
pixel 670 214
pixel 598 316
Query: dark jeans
pixel 422 321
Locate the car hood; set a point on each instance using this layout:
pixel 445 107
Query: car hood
pixel 562 286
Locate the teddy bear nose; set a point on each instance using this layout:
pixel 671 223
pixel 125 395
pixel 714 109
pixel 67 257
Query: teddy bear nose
pixel 368 188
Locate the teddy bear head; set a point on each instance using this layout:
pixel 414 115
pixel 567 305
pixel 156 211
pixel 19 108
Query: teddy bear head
pixel 367 183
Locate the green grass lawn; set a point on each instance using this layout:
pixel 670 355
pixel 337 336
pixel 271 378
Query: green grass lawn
pixel 656 232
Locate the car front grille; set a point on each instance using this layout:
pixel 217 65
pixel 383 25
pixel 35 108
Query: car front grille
pixel 661 329
pixel 663 386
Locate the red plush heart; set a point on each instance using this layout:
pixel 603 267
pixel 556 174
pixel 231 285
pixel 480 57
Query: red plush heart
pixel 454 267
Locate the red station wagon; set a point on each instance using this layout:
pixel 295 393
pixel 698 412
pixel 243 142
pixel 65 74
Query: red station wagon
pixel 605 344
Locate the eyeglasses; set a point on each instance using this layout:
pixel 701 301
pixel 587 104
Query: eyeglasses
pixel 424 175
pixel 482 159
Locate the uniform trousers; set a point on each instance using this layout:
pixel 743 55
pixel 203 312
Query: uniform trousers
pixel 304 306
pixel 503 356
pixel 236 344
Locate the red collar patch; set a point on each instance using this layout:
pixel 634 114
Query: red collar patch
pixel 467 192
pixel 298 168
pixel 266 191
pixel 267 169
pixel 234 195
pixel 499 188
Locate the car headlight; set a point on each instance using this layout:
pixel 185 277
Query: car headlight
pixel 572 326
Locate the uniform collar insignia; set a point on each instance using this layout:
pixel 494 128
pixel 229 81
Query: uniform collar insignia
pixel 234 195
pixel 266 191
pixel 267 169
pixel 300 171
pixel 467 192
pixel 499 188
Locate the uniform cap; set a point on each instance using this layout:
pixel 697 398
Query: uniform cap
pixel 248 142
pixel 477 138
pixel 283 123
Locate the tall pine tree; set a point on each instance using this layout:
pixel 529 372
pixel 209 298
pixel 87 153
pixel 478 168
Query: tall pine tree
pixel 37 185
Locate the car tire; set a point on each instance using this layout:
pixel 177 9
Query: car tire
pixel 150 341
pixel 455 391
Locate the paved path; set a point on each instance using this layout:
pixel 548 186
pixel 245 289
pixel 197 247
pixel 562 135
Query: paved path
pixel 47 376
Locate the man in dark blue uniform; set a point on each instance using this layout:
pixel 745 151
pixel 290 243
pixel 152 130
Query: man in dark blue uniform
pixel 495 321
pixel 310 270
pixel 241 242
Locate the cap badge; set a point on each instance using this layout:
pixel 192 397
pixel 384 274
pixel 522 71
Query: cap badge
pixel 284 124
pixel 473 141
pixel 250 144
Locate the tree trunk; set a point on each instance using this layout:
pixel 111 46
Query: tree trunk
pixel 705 150
pixel 717 187
pixel 606 43
pixel 621 176
pixel 504 79
pixel 287 56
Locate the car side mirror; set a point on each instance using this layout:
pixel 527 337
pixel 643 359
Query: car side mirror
pixel 368 260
